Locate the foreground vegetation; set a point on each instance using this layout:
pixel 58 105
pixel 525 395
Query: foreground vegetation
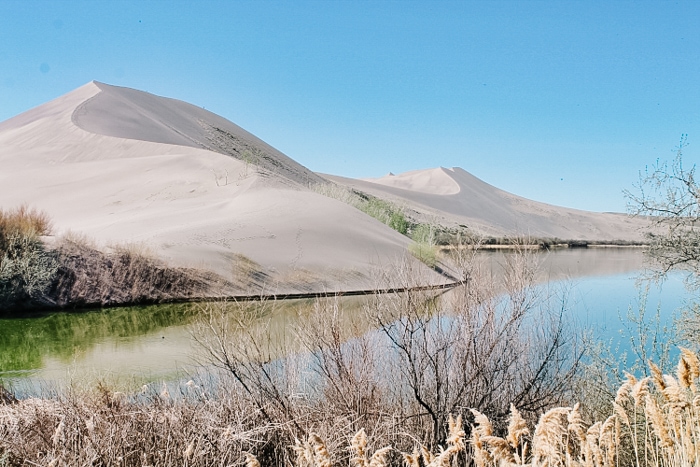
pixel 655 421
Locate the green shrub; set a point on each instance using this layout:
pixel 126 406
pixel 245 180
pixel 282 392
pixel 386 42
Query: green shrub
pixel 384 211
pixel 425 253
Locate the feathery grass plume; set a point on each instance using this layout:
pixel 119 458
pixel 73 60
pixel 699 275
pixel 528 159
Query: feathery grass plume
pixel 483 424
pixel 428 456
pixel 683 373
pixel 251 460
pixel 501 450
pixel 657 376
pixel 164 393
pixel 623 392
pixel 482 457
pixel 321 455
pixel 304 452
pixel 688 369
pixel 359 444
pixel 548 441
pixel 658 422
pixel 672 392
pixel 378 459
pixel 640 391
pixel 693 363
pixel 575 423
pixel 621 413
pixel 456 438
pixel 607 440
pixel 593 455
pixel 517 427
pixel 412 460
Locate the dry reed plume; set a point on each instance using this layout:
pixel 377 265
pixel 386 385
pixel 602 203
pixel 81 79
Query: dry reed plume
pixel 655 422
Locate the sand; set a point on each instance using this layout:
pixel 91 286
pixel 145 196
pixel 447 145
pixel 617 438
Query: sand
pixel 453 197
pixel 124 166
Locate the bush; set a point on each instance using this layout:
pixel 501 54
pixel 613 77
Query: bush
pixel 128 274
pixel 26 267
pixel 76 273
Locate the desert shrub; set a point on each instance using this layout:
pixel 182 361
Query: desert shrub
pixel 26 267
pixel 127 274
pixel 653 422
pixel 74 272
pixel 412 360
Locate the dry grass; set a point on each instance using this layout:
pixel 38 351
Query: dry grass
pixel 655 422
pixel 24 220
pixel 127 274
pixel 74 272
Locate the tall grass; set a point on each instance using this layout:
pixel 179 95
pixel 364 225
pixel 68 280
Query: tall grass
pixel 655 422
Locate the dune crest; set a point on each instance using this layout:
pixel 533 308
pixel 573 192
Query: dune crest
pixel 432 181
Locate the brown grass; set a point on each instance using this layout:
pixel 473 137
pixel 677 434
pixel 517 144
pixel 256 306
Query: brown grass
pixel 24 220
pixel 126 274
pixel 74 272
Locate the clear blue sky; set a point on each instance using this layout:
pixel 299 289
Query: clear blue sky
pixel 558 101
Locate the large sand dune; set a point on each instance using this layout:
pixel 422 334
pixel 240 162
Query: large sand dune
pixel 456 197
pixel 120 165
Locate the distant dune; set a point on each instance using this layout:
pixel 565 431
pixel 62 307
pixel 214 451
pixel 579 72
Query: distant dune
pixel 120 165
pixel 456 197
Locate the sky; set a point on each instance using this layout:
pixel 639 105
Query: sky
pixel 563 102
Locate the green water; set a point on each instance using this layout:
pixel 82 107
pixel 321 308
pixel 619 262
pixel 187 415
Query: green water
pixel 27 343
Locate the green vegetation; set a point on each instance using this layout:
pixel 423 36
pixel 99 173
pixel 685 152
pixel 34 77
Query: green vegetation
pixel 384 211
pixel 25 341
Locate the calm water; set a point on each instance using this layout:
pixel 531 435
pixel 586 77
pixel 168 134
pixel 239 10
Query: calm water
pixel 140 344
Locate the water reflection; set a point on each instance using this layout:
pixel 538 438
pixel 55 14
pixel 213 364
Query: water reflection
pixel 154 342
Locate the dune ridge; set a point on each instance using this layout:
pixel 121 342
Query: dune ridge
pixel 140 175
pixel 487 210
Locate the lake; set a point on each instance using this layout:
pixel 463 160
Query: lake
pixel 131 346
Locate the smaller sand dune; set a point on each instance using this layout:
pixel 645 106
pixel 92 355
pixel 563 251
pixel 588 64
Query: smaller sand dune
pixel 431 181
pixel 454 197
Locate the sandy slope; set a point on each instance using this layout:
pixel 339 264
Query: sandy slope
pixel 454 196
pixel 121 165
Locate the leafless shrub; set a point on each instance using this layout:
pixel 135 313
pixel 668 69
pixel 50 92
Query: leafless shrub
pixel 109 428
pixel 127 274
pixel 418 358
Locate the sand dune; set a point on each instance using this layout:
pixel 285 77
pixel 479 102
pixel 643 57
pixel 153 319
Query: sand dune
pixel 456 197
pixel 120 165
pixel 125 166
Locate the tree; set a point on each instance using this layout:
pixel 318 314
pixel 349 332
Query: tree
pixel 669 196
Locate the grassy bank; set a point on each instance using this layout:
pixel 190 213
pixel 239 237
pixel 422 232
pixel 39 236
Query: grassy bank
pixel 73 272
